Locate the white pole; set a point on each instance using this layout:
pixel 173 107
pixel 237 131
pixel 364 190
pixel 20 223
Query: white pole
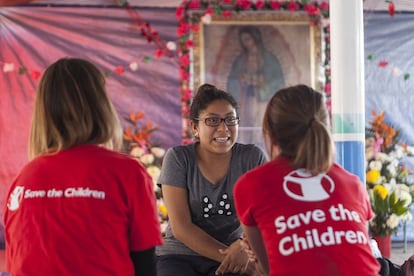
pixel 348 86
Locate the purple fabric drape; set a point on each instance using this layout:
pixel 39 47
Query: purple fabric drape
pixel 33 37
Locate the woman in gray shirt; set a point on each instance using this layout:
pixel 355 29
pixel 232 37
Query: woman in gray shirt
pixel 197 181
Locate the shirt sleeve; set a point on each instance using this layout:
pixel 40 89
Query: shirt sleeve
pixel 174 168
pixel 144 225
pixel 243 201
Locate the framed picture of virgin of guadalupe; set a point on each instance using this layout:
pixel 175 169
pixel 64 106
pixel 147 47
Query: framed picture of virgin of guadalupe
pixel 252 55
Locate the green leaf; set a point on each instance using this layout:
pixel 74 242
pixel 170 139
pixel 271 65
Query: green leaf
pixel 406 76
pixel 22 70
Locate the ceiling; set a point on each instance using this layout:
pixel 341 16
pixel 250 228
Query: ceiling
pixel 376 5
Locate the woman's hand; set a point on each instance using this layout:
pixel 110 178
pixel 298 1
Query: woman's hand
pixel 235 260
pixel 257 269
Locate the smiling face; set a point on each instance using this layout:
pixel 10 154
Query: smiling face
pixel 218 139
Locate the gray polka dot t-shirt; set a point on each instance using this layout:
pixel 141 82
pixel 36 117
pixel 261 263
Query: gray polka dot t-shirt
pixel 211 206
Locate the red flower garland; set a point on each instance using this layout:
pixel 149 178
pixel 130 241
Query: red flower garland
pixel 315 10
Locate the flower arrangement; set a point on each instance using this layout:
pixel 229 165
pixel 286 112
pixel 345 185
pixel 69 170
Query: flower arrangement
pixel 137 144
pixel 387 177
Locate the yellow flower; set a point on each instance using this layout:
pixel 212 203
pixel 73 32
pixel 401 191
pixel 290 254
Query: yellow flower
pixel 381 191
pixel 373 176
pixel 163 210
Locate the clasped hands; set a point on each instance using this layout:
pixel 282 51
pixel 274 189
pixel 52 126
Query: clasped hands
pixel 236 260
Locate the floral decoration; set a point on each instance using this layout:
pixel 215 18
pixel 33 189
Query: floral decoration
pixel 387 177
pixel 318 14
pixel 137 144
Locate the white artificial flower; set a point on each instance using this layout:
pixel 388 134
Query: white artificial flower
pixel 405 196
pixel 402 187
pixel 8 67
pixel 399 151
pixel 154 171
pixel 133 66
pixel 375 165
pixel 171 45
pixel 406 217
pixel 393 221
pixel 382 157
pixel 369 154
pixel 147 158
pixel 392 169
pixel 137 151
pixel 410 150
pixel 206 19
pixel 158 152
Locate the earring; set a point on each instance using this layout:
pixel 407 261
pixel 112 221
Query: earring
pixel 196 135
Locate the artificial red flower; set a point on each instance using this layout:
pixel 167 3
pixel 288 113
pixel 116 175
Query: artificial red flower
pixel 209 10
pixel 184 75
pixel 327 89
pixel 391 8
pixel 293 6
pixel 311 9
pixel 185 60
pixel 383 63
pixel 244 4
pixel 227 14
pixel 183 28
pixel 179 13
pixel 275 5
pixel 329 105
pixel 119 70
pixel 35 75
pixel 159 53
pixel 186 94
pixel 324 6
pixel 189 44
pixel 259 4
pixel 194 5
pixel 195 28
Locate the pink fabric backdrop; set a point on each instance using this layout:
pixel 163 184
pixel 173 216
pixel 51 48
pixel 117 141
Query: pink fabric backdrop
pixel 34 37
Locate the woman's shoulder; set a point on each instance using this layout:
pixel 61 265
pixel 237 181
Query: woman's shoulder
pixel 187 149
pixel 247 149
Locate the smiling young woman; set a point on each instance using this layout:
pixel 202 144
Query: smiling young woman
pixel 197 183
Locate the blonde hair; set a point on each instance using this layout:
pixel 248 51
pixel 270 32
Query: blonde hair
pixel 296 119
pixel 72 108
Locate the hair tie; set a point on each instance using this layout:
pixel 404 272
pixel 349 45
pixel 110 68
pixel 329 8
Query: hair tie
pixel 310 122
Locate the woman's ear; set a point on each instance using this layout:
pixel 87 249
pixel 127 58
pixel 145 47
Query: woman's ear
pixel 194 129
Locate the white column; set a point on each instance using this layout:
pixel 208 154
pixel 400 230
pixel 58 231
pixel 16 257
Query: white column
pixel 348 86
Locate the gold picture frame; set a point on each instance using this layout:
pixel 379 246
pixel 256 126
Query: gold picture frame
pixel 290 52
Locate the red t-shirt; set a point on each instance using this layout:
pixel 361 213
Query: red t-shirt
pixel 79 212
pixel 310 225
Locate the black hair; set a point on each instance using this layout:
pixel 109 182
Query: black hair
pixel 206 94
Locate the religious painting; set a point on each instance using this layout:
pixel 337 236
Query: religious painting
pixel 252 55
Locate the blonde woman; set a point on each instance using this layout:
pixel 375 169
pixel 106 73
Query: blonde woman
pixel 79 207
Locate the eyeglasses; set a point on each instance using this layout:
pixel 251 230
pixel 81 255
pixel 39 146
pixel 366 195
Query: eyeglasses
pixel 216 121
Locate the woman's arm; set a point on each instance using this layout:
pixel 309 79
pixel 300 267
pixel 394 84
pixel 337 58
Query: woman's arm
pixel 176 201
pixel 144 262
pixel 255 240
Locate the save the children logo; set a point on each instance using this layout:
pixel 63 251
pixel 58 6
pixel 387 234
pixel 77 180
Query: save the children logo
pixel 301 185
pixel 15 198
pixel 319 227
pixel 19 193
